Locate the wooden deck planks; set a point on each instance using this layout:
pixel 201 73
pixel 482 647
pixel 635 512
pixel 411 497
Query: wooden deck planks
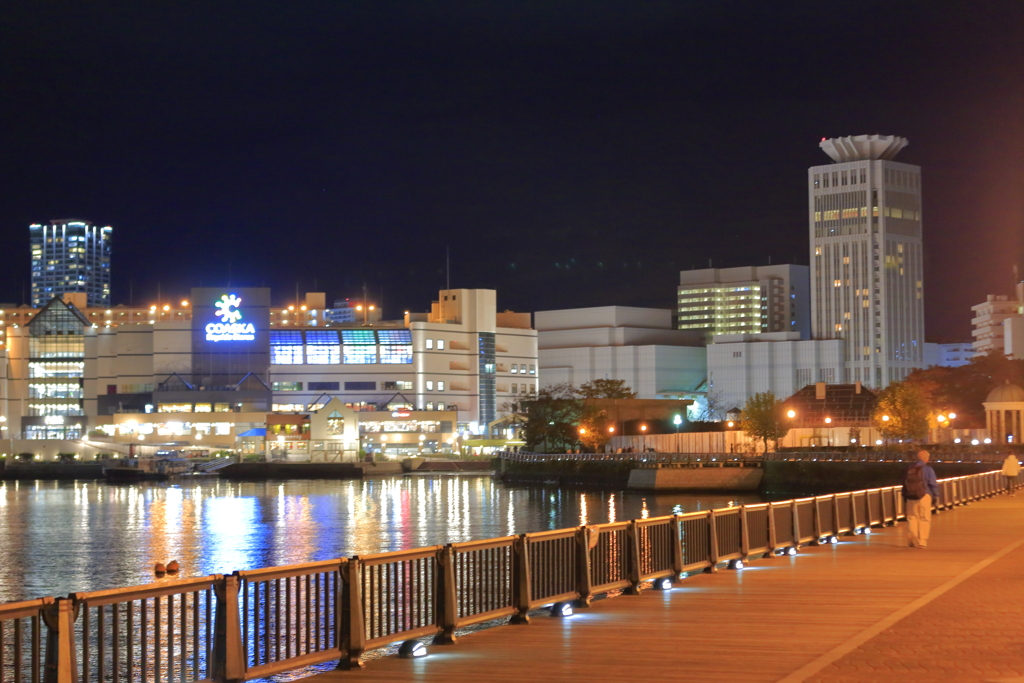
pixel 758 624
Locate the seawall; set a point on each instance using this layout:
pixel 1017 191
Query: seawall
pixel 773 478
pixel 50 470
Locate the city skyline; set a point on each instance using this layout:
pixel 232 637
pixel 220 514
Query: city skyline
pixel 566 158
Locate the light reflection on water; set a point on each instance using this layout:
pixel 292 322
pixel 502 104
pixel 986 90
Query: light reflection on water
pixel 61 537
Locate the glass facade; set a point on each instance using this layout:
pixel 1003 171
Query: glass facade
pixel 70 256
pixel 55 389
pixel 487 383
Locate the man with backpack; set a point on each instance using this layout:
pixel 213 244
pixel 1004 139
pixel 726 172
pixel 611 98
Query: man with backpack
pixel 920 488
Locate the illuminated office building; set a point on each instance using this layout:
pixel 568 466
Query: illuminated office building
pixel 70 255
pixel 867 285
pixel 745 300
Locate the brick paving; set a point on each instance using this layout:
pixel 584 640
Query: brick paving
pixel 973 632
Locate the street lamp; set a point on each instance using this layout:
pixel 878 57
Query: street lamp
pixel 828 420
pixel 791 414
pixel 677 420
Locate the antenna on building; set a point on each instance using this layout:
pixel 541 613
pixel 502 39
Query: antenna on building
pixel 769 259
pixel 709 263
pixel 447 268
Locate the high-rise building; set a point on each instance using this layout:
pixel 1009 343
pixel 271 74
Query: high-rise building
pixel 744 300
pixel 867 285
pixel 70 255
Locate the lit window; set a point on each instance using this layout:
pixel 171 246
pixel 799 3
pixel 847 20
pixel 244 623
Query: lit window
pixel 359 347
pixel 323 347
pixel 395 346
pixel 430 405
pixel 440 344
pixel 515 370
pixel 533 369
pixel 429 343
pixel 285 347
pixel 440 386
pixel 430 385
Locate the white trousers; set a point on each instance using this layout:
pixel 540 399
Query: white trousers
pixel 919 518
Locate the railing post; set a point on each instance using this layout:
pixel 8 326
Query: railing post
pixel 677 547
pixel 447 606
pixel 351 627
pixel 817 523
pixel 712 543
pixel 773 540
pixel 744 533
pixel 228 652
pixel 633 566
pixel 521 584
pixel 796 524
pixel 583 584
pixel 60 665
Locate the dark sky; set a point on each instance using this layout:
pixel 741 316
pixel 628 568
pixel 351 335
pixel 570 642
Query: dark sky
pixel 568 153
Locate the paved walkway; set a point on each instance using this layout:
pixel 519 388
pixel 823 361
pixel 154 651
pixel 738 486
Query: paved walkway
pixel 867 609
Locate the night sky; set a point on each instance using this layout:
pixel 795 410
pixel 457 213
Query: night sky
pixel 569 153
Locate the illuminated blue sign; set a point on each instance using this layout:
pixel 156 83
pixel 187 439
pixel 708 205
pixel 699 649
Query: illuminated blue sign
pixel 229 328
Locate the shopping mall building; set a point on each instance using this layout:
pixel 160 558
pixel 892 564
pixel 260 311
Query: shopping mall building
pixel 226 364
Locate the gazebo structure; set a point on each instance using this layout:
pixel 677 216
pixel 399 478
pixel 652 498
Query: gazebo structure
pixel 1004 410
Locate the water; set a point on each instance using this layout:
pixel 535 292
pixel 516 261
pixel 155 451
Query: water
pixel 62 537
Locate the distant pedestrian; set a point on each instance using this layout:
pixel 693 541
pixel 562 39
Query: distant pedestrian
pixel 920 488
pixel 1011 469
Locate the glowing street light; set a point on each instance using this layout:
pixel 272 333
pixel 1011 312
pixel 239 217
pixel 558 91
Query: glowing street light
pixel 885 418
pixel 791 414
pixel 828 420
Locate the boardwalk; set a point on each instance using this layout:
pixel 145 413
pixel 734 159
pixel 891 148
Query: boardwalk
pixel 867 609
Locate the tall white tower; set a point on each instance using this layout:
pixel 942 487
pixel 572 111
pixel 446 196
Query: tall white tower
pixel 864 212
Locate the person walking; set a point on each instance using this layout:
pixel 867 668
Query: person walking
pixel 1011 468
pixel 920 488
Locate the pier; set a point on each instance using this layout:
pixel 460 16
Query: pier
pixel 820 597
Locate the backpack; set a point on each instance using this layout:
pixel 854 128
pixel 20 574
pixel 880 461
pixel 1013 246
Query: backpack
pixel 914 485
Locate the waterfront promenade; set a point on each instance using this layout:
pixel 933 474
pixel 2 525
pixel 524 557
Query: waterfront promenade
pixel 867 609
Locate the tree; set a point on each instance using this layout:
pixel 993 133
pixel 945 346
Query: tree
pixel 763 419
pixel 963 389
pixel 902 412
pixel 594 429
pixel 605 388
pixel 552 418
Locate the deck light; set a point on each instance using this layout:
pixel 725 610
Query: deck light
pixel 735 564
pixel 561 609
pixel 411 649
pixel 833 539
pixel 791 551
pixel 866 531
pixel 663 584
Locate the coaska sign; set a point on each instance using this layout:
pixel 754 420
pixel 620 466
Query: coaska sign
pixel 229 328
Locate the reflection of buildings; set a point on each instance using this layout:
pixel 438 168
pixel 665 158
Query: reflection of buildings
pixel 215 367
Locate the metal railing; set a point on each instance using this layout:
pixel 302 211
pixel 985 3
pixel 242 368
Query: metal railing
pixel 252 624
pixel 650 458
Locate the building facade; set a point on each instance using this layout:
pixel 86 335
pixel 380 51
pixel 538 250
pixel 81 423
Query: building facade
pixel 993 318
pixel 745 300
pixel 70 255
pixel 867 287
pixel 740 366
pixel 636 345
pixel 72 371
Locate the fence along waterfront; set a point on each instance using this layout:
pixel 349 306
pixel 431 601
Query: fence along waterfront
pixel 252 624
